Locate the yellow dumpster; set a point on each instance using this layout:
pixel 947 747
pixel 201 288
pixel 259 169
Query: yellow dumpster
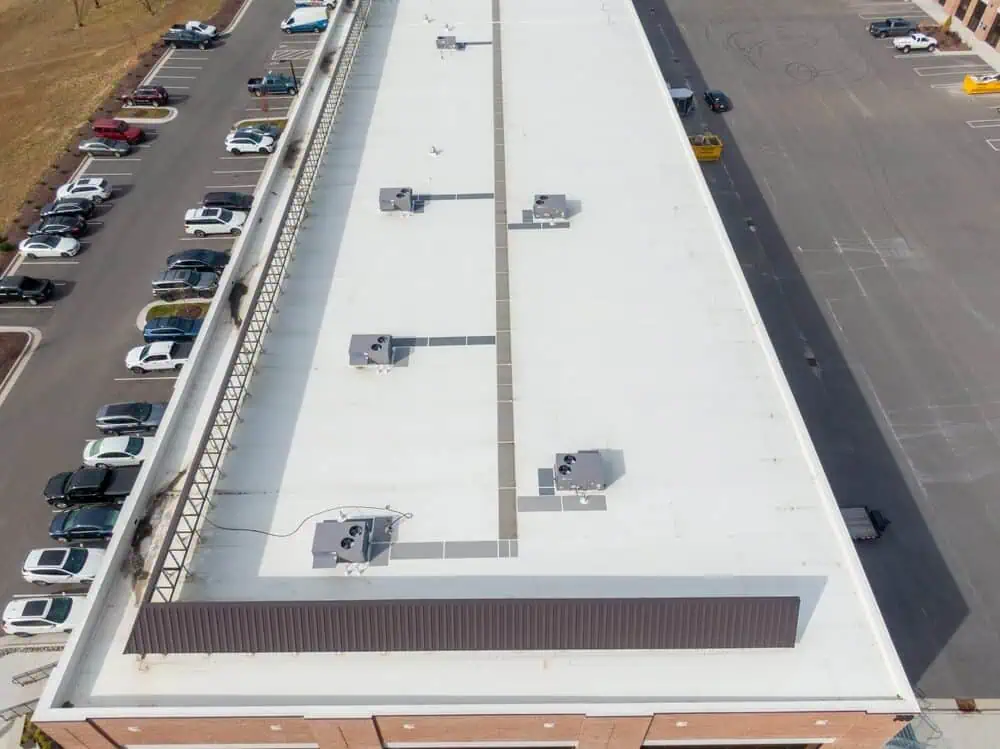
pixel 982 84
pixel 707 146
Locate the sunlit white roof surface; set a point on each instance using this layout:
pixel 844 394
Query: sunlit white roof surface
pixel 632 332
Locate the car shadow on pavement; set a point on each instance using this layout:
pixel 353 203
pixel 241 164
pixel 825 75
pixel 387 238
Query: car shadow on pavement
pixel 120 191
pixel 63 289
pixel 905 567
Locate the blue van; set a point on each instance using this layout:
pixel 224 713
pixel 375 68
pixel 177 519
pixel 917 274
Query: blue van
pixel 306 19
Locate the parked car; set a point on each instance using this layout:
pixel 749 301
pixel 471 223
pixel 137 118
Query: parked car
pixel 105 147
pixel 158 357
pixel 48 245
pixel 198 259
pixel 198 27
pixel 114 452
pixel 183 283
pixel 136 417
pixel 182 38
pixel 28 616
pixel 118 130
pixel 26 289
pixel 64 226
pixel 204 221
pixel 261 128
pixel 88 486
pixel 330 4
pixel 95 523
pixel 232 201
pixel 273 83
pixel 243 141
pixel 305 20
pixel 891 27
pixel 717 101
pixel 914 41
pixel 156 96
pixel 171 329
pixel 62 566
pixel 82 207
pixel 97 189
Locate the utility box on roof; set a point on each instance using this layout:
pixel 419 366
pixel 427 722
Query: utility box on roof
pixel 580 471
pixel 447 42
pixel 550 207
pixel 395 199
pixel 341 541
pixel 370 350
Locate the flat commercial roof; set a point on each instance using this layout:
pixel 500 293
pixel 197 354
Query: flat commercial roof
pixel 631 332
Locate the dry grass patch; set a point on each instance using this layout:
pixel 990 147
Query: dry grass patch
pixel 143 113
pixel 189 310
pixel 55 74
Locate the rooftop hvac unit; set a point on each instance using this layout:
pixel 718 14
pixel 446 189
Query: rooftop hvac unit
pixel 370 350
pixel 581 471
pixel 395 199
pixel 346 541
pixel 446 42
pixel 550 208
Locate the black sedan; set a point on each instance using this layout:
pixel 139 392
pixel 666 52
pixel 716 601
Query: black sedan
pixel 25 289
pixel 94 523
pixel 198 259
pixel 63 226
pixel 717 101
pixel 68 207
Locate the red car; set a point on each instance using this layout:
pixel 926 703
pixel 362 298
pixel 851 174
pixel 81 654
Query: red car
pixel 155 95
pixel 118 130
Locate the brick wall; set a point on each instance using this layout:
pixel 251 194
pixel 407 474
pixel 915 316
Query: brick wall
pixel 852 730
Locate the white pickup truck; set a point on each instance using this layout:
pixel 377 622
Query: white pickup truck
pixel 915 41
pixel 158 356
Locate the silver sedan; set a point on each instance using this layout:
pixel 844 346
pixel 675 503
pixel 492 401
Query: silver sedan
pixel 105 147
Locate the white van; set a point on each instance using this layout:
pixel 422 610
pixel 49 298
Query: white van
pixel 306 19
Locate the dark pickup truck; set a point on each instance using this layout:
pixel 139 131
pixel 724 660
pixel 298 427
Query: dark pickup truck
pixel 86 486
pixel 273 83
pixel 183 38
pixel 891 27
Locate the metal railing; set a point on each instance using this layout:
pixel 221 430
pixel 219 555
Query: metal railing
pixel 33 675
pixel 200 481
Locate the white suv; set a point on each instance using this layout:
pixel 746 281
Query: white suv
pixel 62 566
pixel 27 616
pixel 248 141
pixel 92 188
pixel 202 221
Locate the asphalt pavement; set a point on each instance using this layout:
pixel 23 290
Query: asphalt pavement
pixel 91 323
pixel 858 185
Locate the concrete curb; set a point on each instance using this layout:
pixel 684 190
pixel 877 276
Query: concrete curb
pixel 964 705
pixel 34 338
pixel 149 120
pixel 237 18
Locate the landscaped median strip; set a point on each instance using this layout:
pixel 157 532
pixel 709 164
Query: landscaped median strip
pixel 194 309
pixel 147 115
pixel 17 344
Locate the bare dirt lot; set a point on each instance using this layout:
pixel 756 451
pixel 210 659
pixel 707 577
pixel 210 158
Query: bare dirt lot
pixel 54 74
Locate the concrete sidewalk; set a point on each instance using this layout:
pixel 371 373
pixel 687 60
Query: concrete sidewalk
pixel 988 54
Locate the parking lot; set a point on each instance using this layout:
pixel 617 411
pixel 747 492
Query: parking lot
pixel 858 185
pixel 91 322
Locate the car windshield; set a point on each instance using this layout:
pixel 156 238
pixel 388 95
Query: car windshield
pixel 75 560
pixel 59 610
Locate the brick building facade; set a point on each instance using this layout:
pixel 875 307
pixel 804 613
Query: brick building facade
pixel 982 17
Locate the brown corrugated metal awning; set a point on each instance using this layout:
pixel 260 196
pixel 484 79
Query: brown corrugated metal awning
pixel 458 624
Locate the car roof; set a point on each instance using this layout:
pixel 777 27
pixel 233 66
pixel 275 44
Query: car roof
pixel 90 181
pixel 121 409
pixel 46 557
pixel 92 514
pixel 112 444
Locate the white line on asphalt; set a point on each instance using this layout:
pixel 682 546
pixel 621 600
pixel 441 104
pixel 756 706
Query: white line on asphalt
pixel 239 171
pixel 112 158
pixel 156 68
pixel 109 174
pixel 269 109
pixel 993 143
pixel 313 43
pixel 227 187
pixel 142 145
pixel 178 53
pixel 95 223
pixel 955 65
pixel 27 306
pixel 174 88
pixel 238 18
pixel 962 73
pixel 35 337
pixel 50 262
pixel 144 378
pixel 977 124
pixel 913 55
pixel 203 239
pixel 946 85
pixel 276 96
pixel 881 16
pixel 177 77
pixel 245 156
pixel 183 67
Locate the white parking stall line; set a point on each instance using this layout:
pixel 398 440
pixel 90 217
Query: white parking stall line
pixel 269 109
pixel 269 97
pixel 993 143
pixel 230 237
pixel 27 306
pixel 112 158
pixel 229 187
pixel 962 73
pixel 50 262
pixel 239 171
pixel 947 85
pixel 156 68
pixel 290 42
pixel 978 124
pixel 246 156
pixel 146 378
pixel 912 15
pixel 963 68
pixel 183 67
pixel 91 222
pixel 178 53
pixel 175 77
pixel 108 174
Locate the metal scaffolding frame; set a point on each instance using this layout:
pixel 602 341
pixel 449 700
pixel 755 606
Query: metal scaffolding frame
pixel 199 483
